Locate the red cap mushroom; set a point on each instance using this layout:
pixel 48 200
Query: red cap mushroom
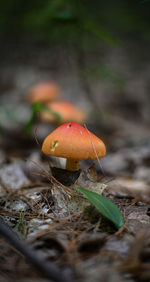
pixel 66 110
pixel 74 142
pixel 44 92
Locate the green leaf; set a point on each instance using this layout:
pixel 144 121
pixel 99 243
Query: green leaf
pixel 38 107
pixel 104 206
pixel 29 124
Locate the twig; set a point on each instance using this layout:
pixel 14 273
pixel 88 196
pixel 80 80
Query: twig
pixel 48 269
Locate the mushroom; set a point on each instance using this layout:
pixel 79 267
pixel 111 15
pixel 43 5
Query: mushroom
pixel 66 110
pixel 73 142
pixel 43 92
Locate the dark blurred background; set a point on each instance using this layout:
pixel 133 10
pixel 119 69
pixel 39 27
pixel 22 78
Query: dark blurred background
pixel 97 51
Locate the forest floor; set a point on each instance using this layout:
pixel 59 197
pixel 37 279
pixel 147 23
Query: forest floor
pixel 84 245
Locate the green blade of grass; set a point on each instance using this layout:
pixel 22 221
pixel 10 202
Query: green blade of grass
pixel 37 108
pixel 104 206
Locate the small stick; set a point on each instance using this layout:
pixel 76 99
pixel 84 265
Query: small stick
pixel 48 269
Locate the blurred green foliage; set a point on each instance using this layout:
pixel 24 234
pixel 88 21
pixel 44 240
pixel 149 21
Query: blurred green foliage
pixel 72 20
pixel 105 73
pixel 36 109
pixel 21 226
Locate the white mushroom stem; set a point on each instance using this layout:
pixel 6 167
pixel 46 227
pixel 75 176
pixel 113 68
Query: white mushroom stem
pixel 72 164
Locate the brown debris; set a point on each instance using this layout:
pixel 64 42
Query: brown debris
pixel 137 261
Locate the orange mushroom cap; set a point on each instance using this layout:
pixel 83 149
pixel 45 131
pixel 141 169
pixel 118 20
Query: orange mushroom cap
pixel 44 92
pixel 66 110
pixel 71 140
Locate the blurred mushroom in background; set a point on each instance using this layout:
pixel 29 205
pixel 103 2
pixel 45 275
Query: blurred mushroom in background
pixel 44 92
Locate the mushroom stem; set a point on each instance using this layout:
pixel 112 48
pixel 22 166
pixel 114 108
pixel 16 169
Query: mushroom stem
pixel 72 164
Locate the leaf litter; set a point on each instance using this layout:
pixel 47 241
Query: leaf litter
pixel 74 236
